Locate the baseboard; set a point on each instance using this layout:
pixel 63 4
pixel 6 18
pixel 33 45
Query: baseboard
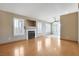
pixel 3 43
pixel 69 40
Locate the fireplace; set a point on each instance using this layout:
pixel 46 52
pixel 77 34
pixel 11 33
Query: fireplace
pixel 31 34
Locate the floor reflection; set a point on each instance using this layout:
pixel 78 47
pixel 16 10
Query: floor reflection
pixel 19 51
pixel 16 52
pixel 58 41
pixel 48 42
pixel 39 46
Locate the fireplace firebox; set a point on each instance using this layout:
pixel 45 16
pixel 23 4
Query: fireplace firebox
pixel 31 34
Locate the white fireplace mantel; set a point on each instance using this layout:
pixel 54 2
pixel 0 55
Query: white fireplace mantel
pixel 30 29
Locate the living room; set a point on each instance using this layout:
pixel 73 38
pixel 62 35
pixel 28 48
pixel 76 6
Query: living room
pixel 39 29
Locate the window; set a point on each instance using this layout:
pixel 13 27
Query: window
pixel 18 26
pixel 48 28
pixel 39 25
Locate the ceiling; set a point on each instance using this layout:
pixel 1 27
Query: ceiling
pixel 42 11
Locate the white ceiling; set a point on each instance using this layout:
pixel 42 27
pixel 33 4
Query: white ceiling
pixel 42 11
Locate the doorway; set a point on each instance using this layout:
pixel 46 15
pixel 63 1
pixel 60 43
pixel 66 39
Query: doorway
pixel 56 27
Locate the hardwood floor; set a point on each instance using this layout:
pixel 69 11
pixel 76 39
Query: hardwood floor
pixel 43 46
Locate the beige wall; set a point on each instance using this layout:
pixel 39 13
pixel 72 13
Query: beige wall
pixel 78 26
pixel 6 26
pixel 69 26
